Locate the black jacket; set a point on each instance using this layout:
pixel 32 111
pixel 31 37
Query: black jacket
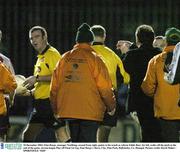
pixel 135 63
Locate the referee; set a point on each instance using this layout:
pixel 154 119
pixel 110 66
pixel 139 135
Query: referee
pixel 42 115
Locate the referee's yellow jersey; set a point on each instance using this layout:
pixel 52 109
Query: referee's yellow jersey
pixel 112 61
pixel 45 66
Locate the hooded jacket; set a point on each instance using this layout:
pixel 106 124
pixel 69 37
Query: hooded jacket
pixel 7 85
pixel 81 87
pixel 166 96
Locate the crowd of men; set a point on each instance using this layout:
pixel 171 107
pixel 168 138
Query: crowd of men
pixel 81 93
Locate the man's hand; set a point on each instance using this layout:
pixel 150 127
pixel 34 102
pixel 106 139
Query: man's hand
pixel 29 82
pixel 27 93
pixel 111 113
pixel 123 45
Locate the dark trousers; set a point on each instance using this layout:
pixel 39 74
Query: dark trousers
pixel 4 120
pixel 83 130
pixel 170 130
pixel 151 129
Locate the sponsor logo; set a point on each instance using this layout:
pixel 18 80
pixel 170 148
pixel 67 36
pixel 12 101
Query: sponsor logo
pixel 13 146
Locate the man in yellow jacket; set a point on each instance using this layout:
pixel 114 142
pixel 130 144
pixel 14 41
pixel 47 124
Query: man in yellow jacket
pixel 39 83
pixel 81 88
pixel 112 62
pixel 7 85
pixel 166 96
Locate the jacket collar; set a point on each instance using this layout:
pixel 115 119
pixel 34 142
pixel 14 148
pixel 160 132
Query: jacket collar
pixel 45 50
pixel 98 43
pixel 169 48
pixel 82 46
pixel 146 46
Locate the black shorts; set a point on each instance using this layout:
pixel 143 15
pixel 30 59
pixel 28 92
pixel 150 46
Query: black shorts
pixel 43 113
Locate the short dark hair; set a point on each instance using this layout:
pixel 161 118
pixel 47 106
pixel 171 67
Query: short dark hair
pixel 145 34
pixel 40 28
pixel 98 30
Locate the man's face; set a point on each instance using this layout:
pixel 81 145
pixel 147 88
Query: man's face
pixel 160 43
pixel 37 40
pixel 123 46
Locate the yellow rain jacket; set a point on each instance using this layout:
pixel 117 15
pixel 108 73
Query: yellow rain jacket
pixel 45 66
pixel 112 61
